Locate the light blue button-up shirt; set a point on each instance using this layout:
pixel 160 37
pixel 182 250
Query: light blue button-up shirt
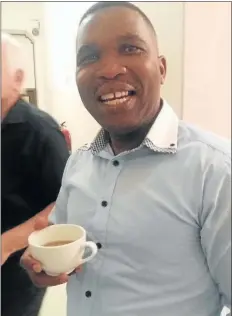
pixel 162 215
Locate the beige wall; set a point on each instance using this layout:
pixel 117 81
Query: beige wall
pixel 207 66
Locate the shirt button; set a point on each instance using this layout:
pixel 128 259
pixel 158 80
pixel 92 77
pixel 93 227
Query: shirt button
pixel 88 294
pixel 115 163
pixel 99 246
pixel 104 203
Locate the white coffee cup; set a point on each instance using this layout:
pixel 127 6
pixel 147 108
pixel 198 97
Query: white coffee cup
pixel 63 258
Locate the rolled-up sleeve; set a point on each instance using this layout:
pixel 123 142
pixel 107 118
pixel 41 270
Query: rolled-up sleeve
pixel 216 225
pixel 58 214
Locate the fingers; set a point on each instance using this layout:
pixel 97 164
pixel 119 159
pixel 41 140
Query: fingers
pixel 43 280
pixel 37 276
pixel 40 223
pixel 29 263
pixel 78 269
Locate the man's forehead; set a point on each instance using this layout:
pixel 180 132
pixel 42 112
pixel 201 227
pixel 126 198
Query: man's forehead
pixel 116 22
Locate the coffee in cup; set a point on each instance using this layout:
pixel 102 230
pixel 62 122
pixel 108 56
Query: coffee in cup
pixel 57 243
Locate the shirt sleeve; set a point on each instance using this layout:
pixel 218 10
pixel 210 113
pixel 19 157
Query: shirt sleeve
pixel 58 214
pixel 216 225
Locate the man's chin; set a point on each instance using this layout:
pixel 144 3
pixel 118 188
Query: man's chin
pixel 121 129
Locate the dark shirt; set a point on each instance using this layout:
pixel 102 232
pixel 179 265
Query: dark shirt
pixel 33 156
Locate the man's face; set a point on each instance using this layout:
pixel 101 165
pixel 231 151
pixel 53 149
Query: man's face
pixel 12 79
pixel 119 72
pixel 6 76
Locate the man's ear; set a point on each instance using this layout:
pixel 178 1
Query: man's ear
pixel 163 69
pixel 18 79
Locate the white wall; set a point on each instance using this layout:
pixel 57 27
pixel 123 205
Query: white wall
pixel 207 66
pixel 55 302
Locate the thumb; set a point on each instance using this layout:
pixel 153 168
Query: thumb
pixel 40 223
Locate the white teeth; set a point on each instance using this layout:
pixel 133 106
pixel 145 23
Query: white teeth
pixel 107 96
pixel 115 101
pixel 116 95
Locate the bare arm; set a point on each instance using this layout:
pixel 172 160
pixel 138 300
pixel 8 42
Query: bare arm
pixel 17 238
pixel 44 156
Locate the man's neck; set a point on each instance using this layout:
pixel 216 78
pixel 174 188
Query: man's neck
pixel 132 140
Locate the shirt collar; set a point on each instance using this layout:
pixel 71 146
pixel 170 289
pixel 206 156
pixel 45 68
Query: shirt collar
pixel 162 136
pixel 17 114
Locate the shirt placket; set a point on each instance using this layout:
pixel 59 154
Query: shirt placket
pixel 99 225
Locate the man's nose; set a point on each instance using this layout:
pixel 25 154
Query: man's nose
pixel 110 68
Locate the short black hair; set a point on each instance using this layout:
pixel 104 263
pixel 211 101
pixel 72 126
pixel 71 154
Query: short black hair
pixel 110 4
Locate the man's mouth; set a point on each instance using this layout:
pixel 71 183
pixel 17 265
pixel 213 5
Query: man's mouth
pixel 116 97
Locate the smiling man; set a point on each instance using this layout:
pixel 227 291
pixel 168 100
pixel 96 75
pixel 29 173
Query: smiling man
pixel 151 191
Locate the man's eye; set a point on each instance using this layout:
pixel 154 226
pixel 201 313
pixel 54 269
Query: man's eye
pixel 131 49
pixel 87 59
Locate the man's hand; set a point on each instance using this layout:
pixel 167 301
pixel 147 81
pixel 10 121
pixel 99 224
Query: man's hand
pixel 38 277
pixel 34 268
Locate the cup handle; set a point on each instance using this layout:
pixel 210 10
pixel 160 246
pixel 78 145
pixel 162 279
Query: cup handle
pixel 93 247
